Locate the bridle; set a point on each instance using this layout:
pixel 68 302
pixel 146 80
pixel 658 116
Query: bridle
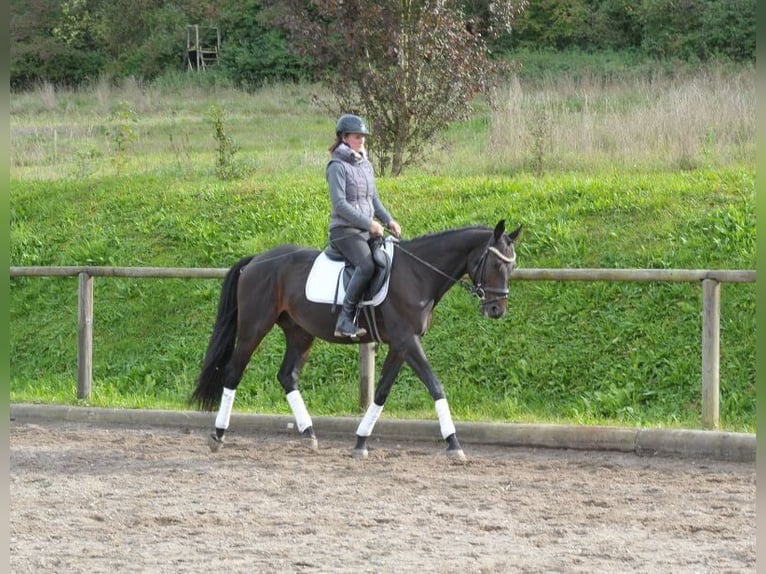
pixel 477 288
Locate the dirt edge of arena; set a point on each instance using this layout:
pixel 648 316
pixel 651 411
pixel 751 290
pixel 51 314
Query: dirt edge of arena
pixel 680 443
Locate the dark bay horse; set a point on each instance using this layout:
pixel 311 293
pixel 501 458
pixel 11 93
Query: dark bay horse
pixel 267 289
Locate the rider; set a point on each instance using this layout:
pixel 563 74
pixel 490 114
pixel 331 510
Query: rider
pixel 355 208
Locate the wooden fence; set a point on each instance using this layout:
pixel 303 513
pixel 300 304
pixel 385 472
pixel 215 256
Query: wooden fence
pixel 711 311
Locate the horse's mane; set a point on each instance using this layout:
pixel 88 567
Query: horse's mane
pixel 440 235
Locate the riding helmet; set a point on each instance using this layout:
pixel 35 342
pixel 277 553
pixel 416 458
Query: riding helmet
pixel 351 124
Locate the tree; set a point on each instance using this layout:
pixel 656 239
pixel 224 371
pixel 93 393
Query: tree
pixel 728 29
pixel 69 42
pixel 672 28
pixel 409 66
pixel 253 53
pixel 148 43
pixel 51 41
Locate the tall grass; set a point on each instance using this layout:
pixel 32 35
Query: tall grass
pixel 570 121
pixel 68 133
pixel 658 123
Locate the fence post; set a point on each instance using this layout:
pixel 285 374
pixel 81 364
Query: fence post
pixel 366 374
pixel 84 336
pixel 711 325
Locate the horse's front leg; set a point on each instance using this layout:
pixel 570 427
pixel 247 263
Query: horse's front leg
pixel 391 367
pixel 298 344
pixel 416 359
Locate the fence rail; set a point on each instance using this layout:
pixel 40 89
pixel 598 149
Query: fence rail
pixel 709 279
pixel 583 274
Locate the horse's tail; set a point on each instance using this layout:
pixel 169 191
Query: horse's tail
pixel 207 394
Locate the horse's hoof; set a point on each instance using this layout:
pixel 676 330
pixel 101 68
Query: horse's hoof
pixel 309 438
pixel 456 455
pixel 214 442
pixel 360 453
pixel 311 443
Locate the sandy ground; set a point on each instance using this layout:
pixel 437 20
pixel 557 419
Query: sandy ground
pixel 97 499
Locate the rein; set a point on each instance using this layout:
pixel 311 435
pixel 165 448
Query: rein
pixel 467 286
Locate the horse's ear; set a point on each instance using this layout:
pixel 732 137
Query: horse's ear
pixel 499 230
pixel 516 234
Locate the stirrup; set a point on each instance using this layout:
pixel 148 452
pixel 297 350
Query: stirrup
pixel 358 332
pixel 347 327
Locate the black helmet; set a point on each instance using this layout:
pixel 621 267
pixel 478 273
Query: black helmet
pixel 351 124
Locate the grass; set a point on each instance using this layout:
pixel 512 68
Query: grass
pixel 586 353
pixel 625 353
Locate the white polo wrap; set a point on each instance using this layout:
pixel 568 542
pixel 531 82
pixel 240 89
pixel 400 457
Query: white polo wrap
pixel 224 411
pixel 302 417
pixel 445 418
pixel 369 420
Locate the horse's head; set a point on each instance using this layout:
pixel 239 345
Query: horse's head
pixel 492 271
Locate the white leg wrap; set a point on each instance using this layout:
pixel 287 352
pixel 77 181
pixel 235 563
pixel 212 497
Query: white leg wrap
pixel 445 418
pixel 224 411
pixel 369 420
pixel 302 417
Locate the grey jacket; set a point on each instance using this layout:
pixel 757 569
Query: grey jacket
pixel 353 193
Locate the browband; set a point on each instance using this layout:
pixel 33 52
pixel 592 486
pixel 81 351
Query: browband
pixel 502 257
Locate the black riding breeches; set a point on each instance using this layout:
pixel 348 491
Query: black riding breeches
pixel 354 246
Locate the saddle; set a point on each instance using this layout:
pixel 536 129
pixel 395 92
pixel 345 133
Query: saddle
pixel 330 273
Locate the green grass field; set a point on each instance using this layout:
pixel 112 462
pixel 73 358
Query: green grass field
pixel 126 176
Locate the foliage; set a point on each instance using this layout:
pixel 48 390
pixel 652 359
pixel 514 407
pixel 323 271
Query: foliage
pixel 46 43
pixel 156 51
pixel 687 30
pixel 252 53
pixel 728 29
pixel 122 134
pixel 697 30
pixel 540 132
pixel 73 42
pixel 226 147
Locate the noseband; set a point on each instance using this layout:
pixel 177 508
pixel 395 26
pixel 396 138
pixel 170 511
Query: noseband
pixel 478 287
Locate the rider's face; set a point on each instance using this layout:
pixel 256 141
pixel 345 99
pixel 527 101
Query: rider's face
pixel 355 141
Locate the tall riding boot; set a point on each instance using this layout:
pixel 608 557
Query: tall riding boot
pixel 345 327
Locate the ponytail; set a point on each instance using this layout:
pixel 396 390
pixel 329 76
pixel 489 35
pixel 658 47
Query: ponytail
pixel 336 143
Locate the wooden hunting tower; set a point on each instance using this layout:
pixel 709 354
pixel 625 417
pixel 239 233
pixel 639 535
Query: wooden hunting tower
pixel 203 44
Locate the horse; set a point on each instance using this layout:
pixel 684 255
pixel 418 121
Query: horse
pixel 268 289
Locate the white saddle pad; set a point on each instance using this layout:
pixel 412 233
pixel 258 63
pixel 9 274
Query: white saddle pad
pixel 324 276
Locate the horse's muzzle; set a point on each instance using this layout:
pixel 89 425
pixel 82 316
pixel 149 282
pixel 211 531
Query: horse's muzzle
pixel 493 309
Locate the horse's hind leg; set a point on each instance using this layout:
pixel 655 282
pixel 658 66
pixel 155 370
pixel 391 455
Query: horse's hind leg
pixel 298 344
pixel 248 340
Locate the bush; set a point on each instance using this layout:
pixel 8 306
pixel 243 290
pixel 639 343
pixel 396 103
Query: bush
pixel 688 30
pixel 54 63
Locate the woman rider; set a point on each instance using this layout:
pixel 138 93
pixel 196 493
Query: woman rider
pixel 357 214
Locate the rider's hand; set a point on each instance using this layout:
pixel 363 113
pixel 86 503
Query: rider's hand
pixel 394 228
pixel 376 229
